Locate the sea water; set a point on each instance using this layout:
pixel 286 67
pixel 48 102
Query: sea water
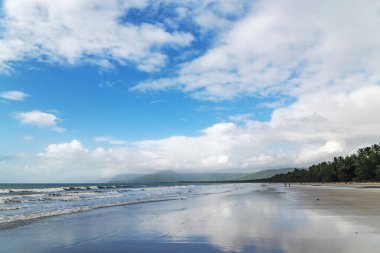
pixel 23 202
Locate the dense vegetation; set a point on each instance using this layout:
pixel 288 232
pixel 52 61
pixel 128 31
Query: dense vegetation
pixel 362 166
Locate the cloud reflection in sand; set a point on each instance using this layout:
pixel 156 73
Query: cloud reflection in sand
pixel 264 220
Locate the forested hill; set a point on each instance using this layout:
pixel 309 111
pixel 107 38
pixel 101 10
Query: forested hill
pixel 171 176
pixel 362 166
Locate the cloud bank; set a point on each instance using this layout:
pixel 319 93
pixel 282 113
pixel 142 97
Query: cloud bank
pixel 323 54
pixel 288 47
pixel 305 132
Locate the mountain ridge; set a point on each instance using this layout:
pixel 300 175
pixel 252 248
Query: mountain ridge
pixel 168 176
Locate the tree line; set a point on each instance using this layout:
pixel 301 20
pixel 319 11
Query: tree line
pixel 362 166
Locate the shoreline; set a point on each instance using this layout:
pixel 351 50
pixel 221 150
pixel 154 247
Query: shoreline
pixel 359 185
pixel 255 218
pixel 13 224
pixel 327 186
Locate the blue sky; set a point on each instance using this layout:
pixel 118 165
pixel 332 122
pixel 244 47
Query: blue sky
pixel 90 103
pixel 95 88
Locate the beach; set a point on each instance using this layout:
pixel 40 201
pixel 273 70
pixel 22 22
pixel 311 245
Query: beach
pixel 247 218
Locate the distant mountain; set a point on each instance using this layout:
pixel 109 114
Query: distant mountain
pixel 171 176
pixel 122 178
pixel 266 173
pixel 159 177
pixel 221 176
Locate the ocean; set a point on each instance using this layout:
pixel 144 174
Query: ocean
pixel 24 202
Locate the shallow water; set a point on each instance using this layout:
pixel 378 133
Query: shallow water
pixel 23 202
pixel 248 218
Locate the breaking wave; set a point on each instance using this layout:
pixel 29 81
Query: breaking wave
pixel 27 202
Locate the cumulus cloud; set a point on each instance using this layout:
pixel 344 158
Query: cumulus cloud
pixel 64 149
pixel 289 47
pixel 307 51
pixel 91 32
pixel 38 118
pixel 303 133
pixel 13 95
pixel 320 55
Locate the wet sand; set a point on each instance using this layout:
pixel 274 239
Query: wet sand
pixel 257 218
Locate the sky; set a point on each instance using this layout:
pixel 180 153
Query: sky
pixel 95 88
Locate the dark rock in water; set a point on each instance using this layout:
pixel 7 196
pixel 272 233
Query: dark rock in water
pixel 317 199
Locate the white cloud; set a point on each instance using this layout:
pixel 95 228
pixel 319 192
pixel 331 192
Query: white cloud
pixel 13 95
pixel 37 118
pixel 91 32
pixel 241 117
pixel 314 153
pixel 41 119
pixel 290 47
pixel 300 134
pixel 64 149
pixel 212 15
pixel 321 54
pixel 109 139
pixel 279 102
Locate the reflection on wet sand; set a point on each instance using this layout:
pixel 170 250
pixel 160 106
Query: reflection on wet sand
pixel 266 220
pixel 253 218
